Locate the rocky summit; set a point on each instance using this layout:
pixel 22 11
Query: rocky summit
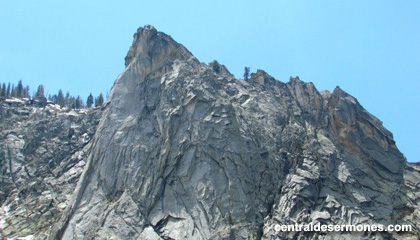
pixel 183 150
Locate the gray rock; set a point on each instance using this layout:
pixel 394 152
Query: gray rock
pixel 186 152
pixel 42 154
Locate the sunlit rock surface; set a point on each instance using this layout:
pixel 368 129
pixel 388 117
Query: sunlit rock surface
pixel 42 153
pixel 183 150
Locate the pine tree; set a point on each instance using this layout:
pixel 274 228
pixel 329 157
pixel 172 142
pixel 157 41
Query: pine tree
pixel 246 73
pixel 8 90
pixel 19 89
pixel 99 101
pixel 79 102
pixel 89 100
pixel 216 66
pixel 82 103
pixel 3 90
pixel 26 92
pixel 72 102
pixel 40 95
pixel 53 98
pixel 13 92
pixel 60 98
pixel 67 100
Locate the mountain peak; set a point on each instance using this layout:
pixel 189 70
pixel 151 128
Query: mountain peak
pixel 182 150
pixel 149 44
pixel 147 27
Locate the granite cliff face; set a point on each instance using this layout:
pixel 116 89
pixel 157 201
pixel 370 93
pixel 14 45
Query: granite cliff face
pixel 183 150
pixel 42 154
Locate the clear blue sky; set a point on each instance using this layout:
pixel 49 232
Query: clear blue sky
pixel 371 48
